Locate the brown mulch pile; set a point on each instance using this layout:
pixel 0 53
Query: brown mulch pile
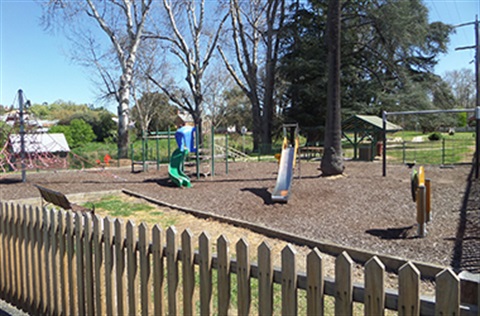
pixel 360 209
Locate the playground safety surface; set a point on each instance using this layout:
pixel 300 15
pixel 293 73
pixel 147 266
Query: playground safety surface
pixel 359 209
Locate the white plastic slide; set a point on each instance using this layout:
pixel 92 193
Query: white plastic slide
pixel 285 176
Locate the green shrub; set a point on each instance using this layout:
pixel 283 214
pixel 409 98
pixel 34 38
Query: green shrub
pixel 65 130
pixel 77 133
pixel 462 119
pixel 435 136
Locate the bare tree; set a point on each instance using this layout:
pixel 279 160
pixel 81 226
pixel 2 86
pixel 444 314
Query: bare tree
pixel 123 22
pixel 332 160
pixel 256 26
pixel 462 83
pixel 217 83
pixel 150 103
pixel 192 40
pixel 144 109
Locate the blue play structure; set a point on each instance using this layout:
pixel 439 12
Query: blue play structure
pixel 185 137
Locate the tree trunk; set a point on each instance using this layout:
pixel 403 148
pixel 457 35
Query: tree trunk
pixel 257 125
pixel 274 25
pixel 268 107
pixel 332 160
pixel 123 115
pixel 197 118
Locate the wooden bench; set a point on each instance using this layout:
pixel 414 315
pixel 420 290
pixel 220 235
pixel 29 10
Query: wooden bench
pixel 59 199
pixel 310 152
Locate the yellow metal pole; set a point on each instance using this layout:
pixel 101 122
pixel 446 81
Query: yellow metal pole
pixel 421 176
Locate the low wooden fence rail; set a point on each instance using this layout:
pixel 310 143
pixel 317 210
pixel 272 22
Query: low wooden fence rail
pixel 64 263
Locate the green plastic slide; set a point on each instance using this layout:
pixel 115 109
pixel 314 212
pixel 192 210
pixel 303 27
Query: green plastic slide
pixel 175 169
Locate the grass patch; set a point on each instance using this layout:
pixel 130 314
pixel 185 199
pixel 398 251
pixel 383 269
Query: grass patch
pixel 116 207
pixel 129 208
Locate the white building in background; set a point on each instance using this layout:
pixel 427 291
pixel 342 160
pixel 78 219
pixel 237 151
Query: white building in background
pixel 13 117
pixel 42 151
pixel 40 143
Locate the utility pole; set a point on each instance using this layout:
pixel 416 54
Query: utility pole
pixel 22 135
pixel 477 80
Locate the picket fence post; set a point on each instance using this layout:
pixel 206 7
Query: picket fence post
pixel 120 270
pixel 289 281
pixel 145 280
pixel 265 279
pixel 99 266
pixel 89 274
pixel 108 242
pixel 315 301
pixel 243 278
pixel 158 271
pixel 374 287
pixel 172 270
pixel 408 290
pixel 223 280
pixel 447 293
pixel 132 268
pixel 80 254
pixel 188 272
pixel 205 252
pixel 343 284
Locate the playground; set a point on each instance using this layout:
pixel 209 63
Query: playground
pixel 360 209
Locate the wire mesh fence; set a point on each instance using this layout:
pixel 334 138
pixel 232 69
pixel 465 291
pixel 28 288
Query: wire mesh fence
pixel 440 152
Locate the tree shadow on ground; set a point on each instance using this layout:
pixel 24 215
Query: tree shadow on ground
pixel 465 254
pixel 262 193
pixel 406 232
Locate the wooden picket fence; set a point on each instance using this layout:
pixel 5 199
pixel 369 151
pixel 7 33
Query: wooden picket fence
pixel 60 263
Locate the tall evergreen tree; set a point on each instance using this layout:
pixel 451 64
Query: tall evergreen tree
pixel 389 50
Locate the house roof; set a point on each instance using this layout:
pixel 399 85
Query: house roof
pixel 40 143
pixel 183 117
pixel 367 123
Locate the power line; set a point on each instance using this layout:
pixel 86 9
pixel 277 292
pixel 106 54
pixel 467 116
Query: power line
pixel 459 19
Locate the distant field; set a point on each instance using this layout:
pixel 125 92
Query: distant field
pixel 451 149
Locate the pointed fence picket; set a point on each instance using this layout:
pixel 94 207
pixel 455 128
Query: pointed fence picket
pixel 109 264
pixel 315 283
pixel 145 262
pixel 54 262
pixel 243 278
pixel 205 264
pixel 132 269
pixel 224 281
pixel 409 290
pixel 172 270
pixel 158 271
pixel 188 271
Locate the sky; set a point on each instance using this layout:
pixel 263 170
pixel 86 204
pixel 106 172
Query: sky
pixel 37 61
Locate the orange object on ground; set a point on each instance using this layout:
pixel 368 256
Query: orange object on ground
pixel 107 159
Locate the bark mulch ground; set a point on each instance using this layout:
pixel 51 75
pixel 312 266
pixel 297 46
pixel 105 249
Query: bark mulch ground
pixel 359 209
